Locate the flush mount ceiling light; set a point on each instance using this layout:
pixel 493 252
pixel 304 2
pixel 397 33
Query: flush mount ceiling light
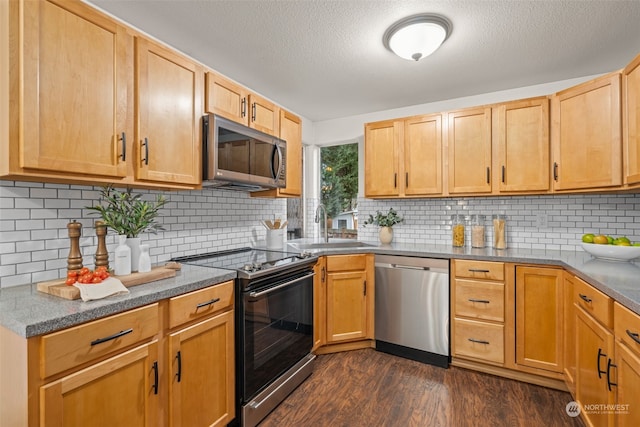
pixel 417 36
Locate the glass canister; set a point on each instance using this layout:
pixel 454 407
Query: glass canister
pixel 477 231
pixel 457 230
pixel 499 231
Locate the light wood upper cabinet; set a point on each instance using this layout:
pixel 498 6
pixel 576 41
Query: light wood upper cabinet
pixel 168 113
pixel 631 121
pixel 539 314
pixel 235 102
pixel 586 135
pixel 422 155
pixel 404 157
pixel 521 144
pixel 381 154
pixel 291 132
pixel 72 92
pixel 469 145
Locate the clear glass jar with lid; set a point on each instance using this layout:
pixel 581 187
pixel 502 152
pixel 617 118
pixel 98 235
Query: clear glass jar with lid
pixel 499 231
pixel 457 230
pixel 477 230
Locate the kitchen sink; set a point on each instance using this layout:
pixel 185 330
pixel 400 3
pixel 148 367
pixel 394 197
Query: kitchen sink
pixel 330 245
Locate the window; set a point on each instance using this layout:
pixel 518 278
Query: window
pixel 339 188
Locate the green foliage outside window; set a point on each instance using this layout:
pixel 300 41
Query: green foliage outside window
pixel 339 178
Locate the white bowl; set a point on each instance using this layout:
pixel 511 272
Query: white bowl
pixel 612 252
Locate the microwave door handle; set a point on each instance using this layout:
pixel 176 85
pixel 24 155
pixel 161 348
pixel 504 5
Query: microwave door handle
pixel 276 149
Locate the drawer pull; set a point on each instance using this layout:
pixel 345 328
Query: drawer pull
pixel 478 270
pixel 207 303
pixel 609 366
pixel 478 341
pixel 112 337
pixel 634 336
pixel 585 298
pixel 600 354
pixel 179 359
pixel 484 301
pixel 155 377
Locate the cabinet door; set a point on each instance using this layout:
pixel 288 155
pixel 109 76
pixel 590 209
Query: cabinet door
pixel 522 138
pixel 291 131
pixel 319 303
pixel 75 90
pixel 226 98
pixel 539 314
pixel 469 145
pixel 263 115
pixel 586 130
pixel 381 154
pixel 202 379
pixel 628 387
pixel 631 121
pixel 120 391
pixel 423 155
pixel 169 110
pixel 594 348
pixel 346 306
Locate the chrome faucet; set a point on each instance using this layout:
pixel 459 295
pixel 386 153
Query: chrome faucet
pixel 317 220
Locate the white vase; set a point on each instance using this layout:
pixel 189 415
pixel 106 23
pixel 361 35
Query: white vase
pixel 386 235
pixel 134 245
pixel 122 263
pixel 144 264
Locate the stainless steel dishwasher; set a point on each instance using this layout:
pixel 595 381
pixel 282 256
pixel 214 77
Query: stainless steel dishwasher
pixel 412 308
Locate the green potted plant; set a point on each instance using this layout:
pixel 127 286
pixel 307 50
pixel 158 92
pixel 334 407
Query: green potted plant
pixel 385 222
pixel 129 215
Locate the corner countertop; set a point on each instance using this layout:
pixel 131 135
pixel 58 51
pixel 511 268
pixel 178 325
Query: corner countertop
pixel 619 280
pixel 28 312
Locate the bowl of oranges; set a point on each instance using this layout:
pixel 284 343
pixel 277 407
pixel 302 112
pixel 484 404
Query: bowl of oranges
pixel 610 248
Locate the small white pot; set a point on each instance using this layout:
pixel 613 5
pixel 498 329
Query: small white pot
pixel 386 235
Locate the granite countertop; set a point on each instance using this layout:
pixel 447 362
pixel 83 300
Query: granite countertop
pixel 28 312
pixel 619 280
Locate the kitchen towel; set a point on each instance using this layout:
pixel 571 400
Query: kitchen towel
pixel 109 286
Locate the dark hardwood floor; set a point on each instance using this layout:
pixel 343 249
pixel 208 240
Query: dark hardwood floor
pixel 369 388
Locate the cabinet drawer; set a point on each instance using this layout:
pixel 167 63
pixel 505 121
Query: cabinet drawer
pixel 479 340
pixel 479 269
pixel 80 344
pixel 197 304
pixel 482 300
pixel 627 327
pixel 594 302
pixel 346 262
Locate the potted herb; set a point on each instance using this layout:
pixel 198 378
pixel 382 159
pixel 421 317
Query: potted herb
pixel 128 215
pixel 385 222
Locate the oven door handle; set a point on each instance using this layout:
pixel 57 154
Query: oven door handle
pixel 282 285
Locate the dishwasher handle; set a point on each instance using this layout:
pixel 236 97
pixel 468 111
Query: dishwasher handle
pixel 412 267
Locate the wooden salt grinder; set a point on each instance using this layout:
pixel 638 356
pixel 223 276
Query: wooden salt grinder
pixel 74 260
pixel 102 255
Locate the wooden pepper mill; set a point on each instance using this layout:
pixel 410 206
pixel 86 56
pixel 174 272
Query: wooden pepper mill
pixel 74 260
pixel 102 255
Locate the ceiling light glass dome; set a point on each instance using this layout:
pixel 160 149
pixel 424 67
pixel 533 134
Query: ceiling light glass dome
pixel 417 36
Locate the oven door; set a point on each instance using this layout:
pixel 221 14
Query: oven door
pixel 277 329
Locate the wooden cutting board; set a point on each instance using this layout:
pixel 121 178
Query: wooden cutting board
pixel 59 289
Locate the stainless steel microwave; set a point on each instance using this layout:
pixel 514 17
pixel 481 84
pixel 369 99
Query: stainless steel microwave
pixel 237 157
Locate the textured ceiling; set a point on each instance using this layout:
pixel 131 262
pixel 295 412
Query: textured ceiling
pixel 324 59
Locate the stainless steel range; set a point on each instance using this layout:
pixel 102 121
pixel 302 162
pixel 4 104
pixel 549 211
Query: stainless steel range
pixel 274 324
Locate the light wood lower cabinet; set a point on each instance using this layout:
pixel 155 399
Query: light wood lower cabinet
pixel 539 313
pixel 627 366
pixel 201 373
pixel 127 369
pixel 349 302
pixel 319 303
pixel 122 390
